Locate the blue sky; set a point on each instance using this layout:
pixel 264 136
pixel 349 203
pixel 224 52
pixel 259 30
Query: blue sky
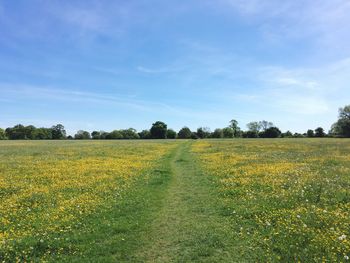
pixel 104 65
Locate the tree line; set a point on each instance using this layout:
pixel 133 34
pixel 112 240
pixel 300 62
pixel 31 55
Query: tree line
pixel 159 130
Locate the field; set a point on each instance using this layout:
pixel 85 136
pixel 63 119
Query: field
pixel 235 200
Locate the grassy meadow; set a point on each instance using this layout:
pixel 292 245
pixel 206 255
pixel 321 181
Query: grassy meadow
pixel 238 200
pixel 287 200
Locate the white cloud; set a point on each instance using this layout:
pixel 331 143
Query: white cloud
pixel 157 70
pixel 269 8
pixel 78 99
pixel 312 91
pixel 323 22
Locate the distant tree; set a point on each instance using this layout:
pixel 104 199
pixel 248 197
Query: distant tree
pixel 264 125
pixel 82 135
pixel 42 134
pixel 158 130
pixel 239 133
pixel 235 128
pixel 114 135
pixel 29 132
pixel 287 134
pixel 250 134
pixel 194 136
pixel 58 132
pixel 2 134
pixel 272 132
pixel 17 132
pixel 253 129
pixel 171 134
pixel 70 137
pixel 184 133
pixel 103 135
pixel 253 126
pixel 344 113
pixel 96 135
pixel 145 134
pixel 218 133
pixel 228 132
pixel 298 135
pixel 342 126
pixel 310 133
pixel 319 132
pixel 203 132
pixel 129 134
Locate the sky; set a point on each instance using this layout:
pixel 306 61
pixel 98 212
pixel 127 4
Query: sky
pixel 105 65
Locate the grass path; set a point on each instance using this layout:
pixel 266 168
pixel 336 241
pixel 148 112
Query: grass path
pixel 188 227
pixel 174 216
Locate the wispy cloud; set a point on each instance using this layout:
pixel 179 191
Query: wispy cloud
pixel 269 8
pixel 326 21
pixel 77 98
pixel 67 20
pixel 72 95
pixel 91 16
pixel 307 90
pixel 169 69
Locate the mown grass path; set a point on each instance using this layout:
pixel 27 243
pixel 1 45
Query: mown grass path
pixel 188 226
pixel 172 215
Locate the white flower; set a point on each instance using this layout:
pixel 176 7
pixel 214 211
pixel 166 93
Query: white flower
pixel 346 257
pixel 342 237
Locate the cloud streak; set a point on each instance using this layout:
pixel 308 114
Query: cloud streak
pixel 325 21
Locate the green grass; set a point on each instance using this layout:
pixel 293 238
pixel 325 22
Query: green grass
pixel 172 216
pixel 286 199
pixel 117 234
pixel 210 201
pixel 188 227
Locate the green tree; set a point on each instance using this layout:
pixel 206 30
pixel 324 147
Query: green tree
pixel 310 133
pixel 184 133
pixel 250 134
pixel 287 134
pixel 342 126
pixel 319 132
pixel 344 113
pixel 194 135
pixel 254 126
pixel 298 135
pixel 58 132
pixel 145 134
pixel 2 134
pixel 253 129
pixel 114 135
pixel 271 132
pixel 218 133
pixel 29 132
pixel 228 132
pixel 158 130
pixel 130 134
pixel 235 128
pixel 82 135
pixel 42 134
pixel 264 125
pixel 96 135
pixel 17 132
pixel 203 132
pixel 171 134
